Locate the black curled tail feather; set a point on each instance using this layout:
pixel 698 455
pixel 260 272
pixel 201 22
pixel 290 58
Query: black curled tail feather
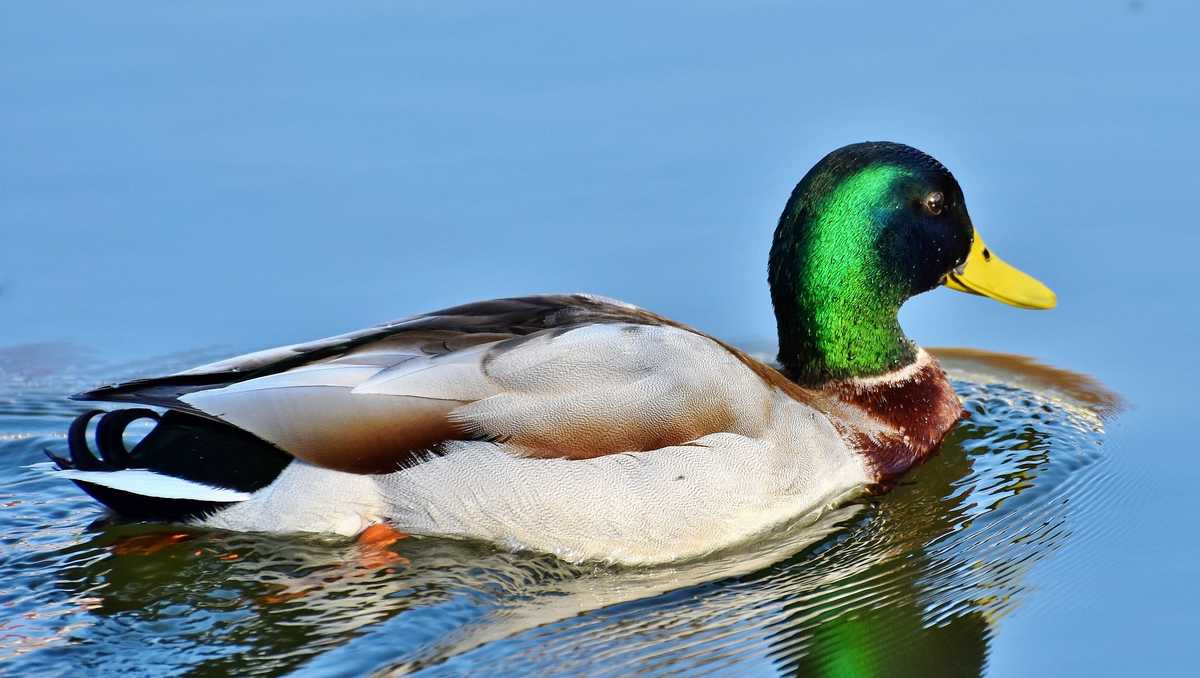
pixel 181 445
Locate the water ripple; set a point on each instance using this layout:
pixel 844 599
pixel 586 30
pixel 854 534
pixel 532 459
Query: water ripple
pixel 912 582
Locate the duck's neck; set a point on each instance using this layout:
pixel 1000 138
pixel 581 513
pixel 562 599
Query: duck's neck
pixel 829 330
pixel 822 345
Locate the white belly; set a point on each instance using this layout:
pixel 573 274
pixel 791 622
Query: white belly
pixel 640 508
pixel 307 498
pixel 634 508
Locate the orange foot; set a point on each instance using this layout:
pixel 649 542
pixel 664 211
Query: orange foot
pixel 380 535
pixel 147 544
pixel 373 545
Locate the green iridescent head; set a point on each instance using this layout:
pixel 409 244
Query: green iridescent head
pixel 869 226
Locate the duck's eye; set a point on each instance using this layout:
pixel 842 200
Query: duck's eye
pixel 935 202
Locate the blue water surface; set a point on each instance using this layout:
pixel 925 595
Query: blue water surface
pixel 202 178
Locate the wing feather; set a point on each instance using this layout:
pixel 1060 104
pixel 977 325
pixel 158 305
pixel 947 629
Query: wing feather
pixel 552 376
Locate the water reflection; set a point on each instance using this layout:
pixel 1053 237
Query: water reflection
pixel 913 587
pixel 912 582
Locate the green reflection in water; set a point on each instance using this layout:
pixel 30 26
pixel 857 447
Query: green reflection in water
pixel 908 583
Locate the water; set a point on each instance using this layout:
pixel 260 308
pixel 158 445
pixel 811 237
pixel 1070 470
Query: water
pixel 903 582
pixel 179 183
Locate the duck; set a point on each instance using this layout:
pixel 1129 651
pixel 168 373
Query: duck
pixel 575 424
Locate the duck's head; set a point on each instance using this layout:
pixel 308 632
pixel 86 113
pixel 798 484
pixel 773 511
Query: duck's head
pixel 869 226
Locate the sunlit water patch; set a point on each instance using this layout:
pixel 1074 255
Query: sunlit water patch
pixel 908 583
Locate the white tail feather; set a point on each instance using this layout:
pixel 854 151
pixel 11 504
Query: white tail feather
pixel 146 483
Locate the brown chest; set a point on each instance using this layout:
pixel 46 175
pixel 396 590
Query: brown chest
pixel 896 424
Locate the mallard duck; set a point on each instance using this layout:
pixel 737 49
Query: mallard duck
pixel 576 424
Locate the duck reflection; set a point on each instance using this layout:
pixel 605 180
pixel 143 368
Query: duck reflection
pixel 908 583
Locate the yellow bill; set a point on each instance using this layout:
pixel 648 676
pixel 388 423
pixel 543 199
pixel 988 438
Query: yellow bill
pixel 986 274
